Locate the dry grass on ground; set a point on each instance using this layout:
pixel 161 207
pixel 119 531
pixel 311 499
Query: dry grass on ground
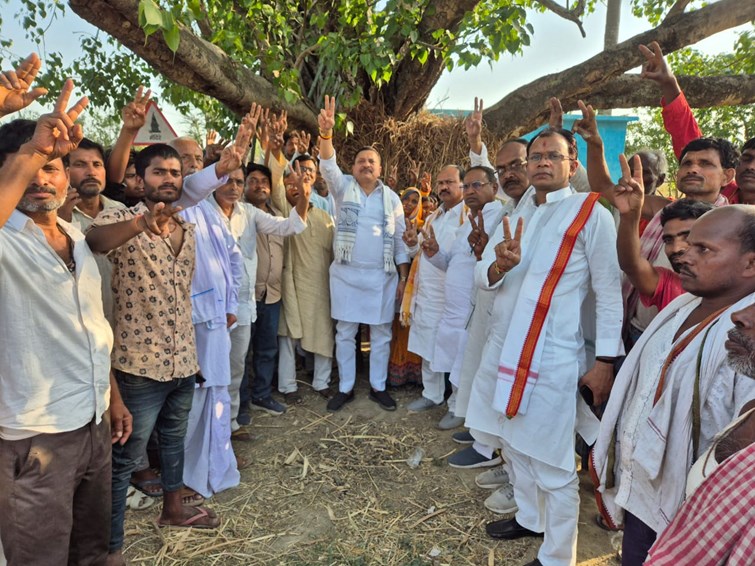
pixel 334 489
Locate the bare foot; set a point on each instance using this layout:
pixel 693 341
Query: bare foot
pixel 190 497
pixel 197 517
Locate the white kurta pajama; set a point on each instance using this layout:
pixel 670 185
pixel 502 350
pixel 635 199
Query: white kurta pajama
pixel 210 465
pixel 244 224
pixel 429 300
pixel 362 290
pixel 654 448
pixel 539 440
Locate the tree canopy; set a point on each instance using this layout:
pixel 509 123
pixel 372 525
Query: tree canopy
pixel 220 56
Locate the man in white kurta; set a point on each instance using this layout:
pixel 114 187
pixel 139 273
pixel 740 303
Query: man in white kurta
pixel 369 250
pixel 538 439
pixel 244 221
pixel 429 286
pixel 458 261
pixel 652 413
pixel 210 465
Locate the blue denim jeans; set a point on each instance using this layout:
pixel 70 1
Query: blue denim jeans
pixel 263 350
pixel 160 405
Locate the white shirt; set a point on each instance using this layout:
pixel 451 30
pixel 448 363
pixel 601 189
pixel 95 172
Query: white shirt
pixel 245 221
pixel 430 297
pixel 55 354
pixel 361 290
pixel 546 432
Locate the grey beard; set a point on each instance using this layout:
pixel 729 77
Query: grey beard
pixel 742 364
pixel 89 191
pixel 28 205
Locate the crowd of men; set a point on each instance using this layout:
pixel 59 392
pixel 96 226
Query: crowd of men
pixel 150 299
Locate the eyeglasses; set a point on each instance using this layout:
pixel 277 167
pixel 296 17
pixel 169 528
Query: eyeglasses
pixel 516 167
pixel 474 185
pixel 307 169
pixel 552 156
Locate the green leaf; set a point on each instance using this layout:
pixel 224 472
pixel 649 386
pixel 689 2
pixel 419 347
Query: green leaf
pixel 172 37
pixel 151 12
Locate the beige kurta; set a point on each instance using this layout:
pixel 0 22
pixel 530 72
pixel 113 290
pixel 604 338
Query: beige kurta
pixel 305 283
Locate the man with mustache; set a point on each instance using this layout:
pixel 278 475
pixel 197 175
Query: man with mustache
pixel 705 166
pixel 657 286
pixel 716 524
pixel 525 396
pixel 154 357
pixel 58 399
pixel 423 307
pixel 675 390
pixel 369 251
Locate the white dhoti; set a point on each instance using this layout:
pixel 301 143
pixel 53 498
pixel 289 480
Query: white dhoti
pixel 209 463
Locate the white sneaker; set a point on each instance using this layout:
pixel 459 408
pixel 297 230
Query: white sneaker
pixel 492 479
pixel 502 500
pixel 421 404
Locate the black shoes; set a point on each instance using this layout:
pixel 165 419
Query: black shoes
pixel 383 399
pixel 509 529
pixel 338 400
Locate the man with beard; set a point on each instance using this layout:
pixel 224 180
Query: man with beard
pixel 422 306
pixel 369 250
pixel 154 357
pixel 716 524
pixel 192 157
pixel 86 171
pixel 55 383
pixel 657 286
pixel 675 391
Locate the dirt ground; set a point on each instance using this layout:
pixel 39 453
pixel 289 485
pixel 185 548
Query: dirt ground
pixel 335 489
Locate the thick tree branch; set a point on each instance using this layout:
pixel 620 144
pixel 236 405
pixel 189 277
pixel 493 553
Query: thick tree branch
pixel 630 91
pixel 517 112
pixel 197 64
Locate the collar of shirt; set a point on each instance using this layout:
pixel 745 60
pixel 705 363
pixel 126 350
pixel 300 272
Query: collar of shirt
pixel 20 222
pixel 555 196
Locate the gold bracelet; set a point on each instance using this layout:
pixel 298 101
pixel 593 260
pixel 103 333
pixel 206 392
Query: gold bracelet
pixel 497 269
pixel 330 137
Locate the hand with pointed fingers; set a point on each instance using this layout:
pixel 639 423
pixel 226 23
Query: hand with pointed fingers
pixel 392 178
pixel 556 118
pixel 211 138
pixel 56 134
pixel 508 253
pixel 252 118
pixel 629 192
pixel 473 122
pixel 14 86
pixel 303 142
pixel 156 221
pixel 430 245
pixel 275 131
pixel 415 167
pixel 426 183
pixel 326 120
pixel 134 114
pixel 232 157
pixel 477 238
pixel 587 126
pixel 655 66
pixel 297 177
pixel 410 234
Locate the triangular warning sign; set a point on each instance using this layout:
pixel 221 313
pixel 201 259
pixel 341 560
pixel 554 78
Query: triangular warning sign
pixel 156 129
